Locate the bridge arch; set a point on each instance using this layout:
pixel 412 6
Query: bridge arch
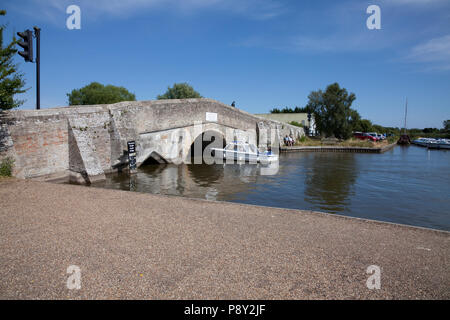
pixel 153 158
pixel 208 138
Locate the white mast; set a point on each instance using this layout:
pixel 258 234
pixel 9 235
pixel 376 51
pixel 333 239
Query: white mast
pixel 406 112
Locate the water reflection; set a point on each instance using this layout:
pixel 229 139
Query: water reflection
pixel 211 182
pixel 205 175
pixel 325 187
pixel 405 185
pixel 330 187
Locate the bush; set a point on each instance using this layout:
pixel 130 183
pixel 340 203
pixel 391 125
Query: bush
pixel 6 167
pixel 295 123
pixel 97 93
pixel 392 139
pixel 414 135
pixel 179 91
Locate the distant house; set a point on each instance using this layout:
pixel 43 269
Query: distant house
pixel 301 118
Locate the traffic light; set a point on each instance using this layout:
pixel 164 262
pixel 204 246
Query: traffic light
pixel 26 44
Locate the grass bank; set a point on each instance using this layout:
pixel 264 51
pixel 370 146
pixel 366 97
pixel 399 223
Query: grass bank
pixel 352 142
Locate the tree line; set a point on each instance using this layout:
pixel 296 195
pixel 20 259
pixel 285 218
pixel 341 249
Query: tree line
pixel 97 93
pixel 289 110
pixel 334 116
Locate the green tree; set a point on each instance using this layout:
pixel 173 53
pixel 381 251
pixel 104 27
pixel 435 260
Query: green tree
pixel 430 130
pixel 275 110
pixel 97 93
pixel 11 81
pixel 379 129
pixel 332 111
pixel 363 125
pixel 289 110
pixel 180 91
pixel 446 125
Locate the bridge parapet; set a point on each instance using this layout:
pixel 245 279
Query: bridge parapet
pixel 88 141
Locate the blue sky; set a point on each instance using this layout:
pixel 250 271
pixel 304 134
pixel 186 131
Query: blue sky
pixel 260 53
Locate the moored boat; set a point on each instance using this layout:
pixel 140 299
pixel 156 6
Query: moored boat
pixel 422 142
pixel 433 143
pixel 404 138
pixel 241 151
pixel 440 144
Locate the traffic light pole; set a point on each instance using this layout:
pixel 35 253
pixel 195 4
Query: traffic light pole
pixel 37 34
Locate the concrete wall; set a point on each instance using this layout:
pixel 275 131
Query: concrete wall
pixel 85 142
pixel 289 117
pixel 285 117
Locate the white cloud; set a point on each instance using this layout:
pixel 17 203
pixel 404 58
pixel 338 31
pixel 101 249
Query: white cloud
pixel 332 43
pixel 252 9
pixel 337 42
pixel 435 51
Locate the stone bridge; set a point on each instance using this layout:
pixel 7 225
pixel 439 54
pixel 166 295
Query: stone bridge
pixel 82 143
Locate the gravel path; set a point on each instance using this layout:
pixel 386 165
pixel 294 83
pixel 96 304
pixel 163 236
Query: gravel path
pixel 141 246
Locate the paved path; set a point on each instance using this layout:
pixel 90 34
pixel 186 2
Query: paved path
pixel 132 245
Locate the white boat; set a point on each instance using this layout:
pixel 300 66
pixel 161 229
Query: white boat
pixel 422 142
pixel 440 144
pixel 433 143
pixel 242 151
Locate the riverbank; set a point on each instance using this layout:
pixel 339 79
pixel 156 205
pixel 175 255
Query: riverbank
pixel 379 149
pixel 141 246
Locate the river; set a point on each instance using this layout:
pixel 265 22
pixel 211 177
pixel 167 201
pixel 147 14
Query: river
pixel 407 185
